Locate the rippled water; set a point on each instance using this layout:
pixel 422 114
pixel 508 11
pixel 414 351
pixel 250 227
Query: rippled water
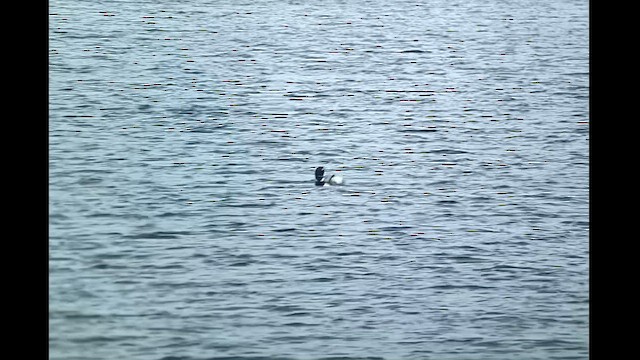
pixel 184 220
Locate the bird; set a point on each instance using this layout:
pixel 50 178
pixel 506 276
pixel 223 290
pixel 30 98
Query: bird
pixel 332 179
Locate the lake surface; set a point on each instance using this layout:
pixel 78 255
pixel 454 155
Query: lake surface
pixel 184 219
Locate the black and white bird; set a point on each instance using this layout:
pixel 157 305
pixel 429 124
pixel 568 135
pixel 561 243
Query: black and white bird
pixel 332 179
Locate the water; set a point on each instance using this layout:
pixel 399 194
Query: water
pixel 184 220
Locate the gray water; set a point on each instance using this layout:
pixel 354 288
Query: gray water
pixel 184 219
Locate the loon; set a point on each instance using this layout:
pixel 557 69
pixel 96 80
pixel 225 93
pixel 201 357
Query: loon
pixel 327 180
